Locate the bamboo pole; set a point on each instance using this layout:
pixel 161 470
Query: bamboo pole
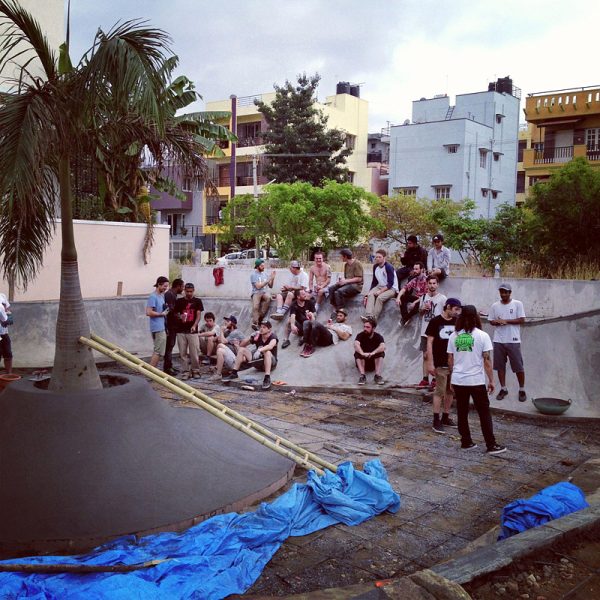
pixel 301 458
pixel 221 407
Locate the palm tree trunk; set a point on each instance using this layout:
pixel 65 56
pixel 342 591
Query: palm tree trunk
pixel 74 366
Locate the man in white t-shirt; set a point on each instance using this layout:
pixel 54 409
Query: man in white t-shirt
pixel 506 316
pixel 431 305
pixel 298 280
pixel 470 363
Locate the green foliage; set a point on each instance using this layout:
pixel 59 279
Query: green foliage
pixel 297 138
pixel 565 223
pixel 402 215
pixel 295 217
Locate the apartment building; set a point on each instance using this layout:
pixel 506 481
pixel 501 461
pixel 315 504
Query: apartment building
pixel 564 124
pixel 465 150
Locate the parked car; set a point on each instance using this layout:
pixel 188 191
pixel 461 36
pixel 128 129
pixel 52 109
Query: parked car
pixel 233 256
pixel 251 255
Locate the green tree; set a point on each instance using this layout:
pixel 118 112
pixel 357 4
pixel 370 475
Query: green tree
pixel 299 144
pixel 53 111
pixel 566 215
pixel 295 217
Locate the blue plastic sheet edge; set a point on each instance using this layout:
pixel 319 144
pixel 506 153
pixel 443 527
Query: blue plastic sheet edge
pixel 218 557
pixel 548 504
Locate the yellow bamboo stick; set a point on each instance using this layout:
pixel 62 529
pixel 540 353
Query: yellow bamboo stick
pixel 224 409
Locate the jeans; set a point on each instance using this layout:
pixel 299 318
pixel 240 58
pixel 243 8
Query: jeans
pixel 171 339
pixel 482 405
pixel 404 302
pixel 338 294
pixel 316 334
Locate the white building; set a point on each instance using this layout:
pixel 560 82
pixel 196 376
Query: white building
pixel 468 150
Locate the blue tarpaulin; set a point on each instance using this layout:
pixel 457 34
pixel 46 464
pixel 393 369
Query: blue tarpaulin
pixel 551 503
pixel 221 556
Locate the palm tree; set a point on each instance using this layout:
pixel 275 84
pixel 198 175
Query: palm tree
pixel 54 111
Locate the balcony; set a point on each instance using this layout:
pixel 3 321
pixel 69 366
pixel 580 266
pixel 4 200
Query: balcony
pixel 553 155
pixel 536 158
pixel 568 105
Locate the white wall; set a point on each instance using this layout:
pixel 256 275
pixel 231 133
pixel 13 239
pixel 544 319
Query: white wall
pixel 107 253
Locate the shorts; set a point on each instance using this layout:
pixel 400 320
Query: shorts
pixel 423 347
pixel 510 351
pixel 261 366
pixel 229 358
pixel 369 362
pixel 442 381
pixel 5 347
pixel 160 342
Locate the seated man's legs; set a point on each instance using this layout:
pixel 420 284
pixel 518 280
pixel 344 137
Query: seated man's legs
pixel 265 301
pixel 406 312
pixel 225 358
pixel 381 300
pixel 403 273
pixel 338 297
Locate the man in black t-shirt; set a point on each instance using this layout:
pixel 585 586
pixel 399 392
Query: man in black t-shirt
pixel 369 350
pixel 301 306
pixel 264 358
pixel 188 311
pixel 171 324
pixel 438 333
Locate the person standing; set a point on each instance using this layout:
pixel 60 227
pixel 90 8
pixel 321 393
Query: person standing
pixel 156 311
pixel 507 316
pixel 438 258
pixel 438 332
pixel 414 254
pixel 188 311
pixel 384 286
pixel 261 298
pixel 369 352
pixel 171 296
pixel 349 285
pixel 469 362
pixel 5 343
pixel 431 305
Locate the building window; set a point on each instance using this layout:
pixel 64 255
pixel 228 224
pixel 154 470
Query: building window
pixel 452 148
pixel 484 192
pixel 592 139
pixel 442 192
pixel 494 194
pixel 522 146
pixel 499 118
pixel 407 191
pixel 187 185
pixel 497 156
pixel 483 158
pixel 350 141
pixel 520 182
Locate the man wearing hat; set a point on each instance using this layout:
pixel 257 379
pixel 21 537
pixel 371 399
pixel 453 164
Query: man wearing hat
pixel 438 258
pixel 229 341
pixel 317 334
pixel 261 298
pixel 156 311
pixel 298 280
pixel 506 316
pixel 438 332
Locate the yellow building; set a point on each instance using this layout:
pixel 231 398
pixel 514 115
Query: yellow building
pixel 564 124
pixel 524 142
pixel 345 111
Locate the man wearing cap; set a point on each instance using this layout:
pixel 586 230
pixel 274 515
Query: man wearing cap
pixel 263 358
pixel 298 280
pixel 228 341
pixel 414 253
pixel 261 298
pixel 369 351
pixel 156 310
pixel 384 286
pixel 506 316
pixel 317 334
pixel 438 332
pixel 349 285
pixel 438 258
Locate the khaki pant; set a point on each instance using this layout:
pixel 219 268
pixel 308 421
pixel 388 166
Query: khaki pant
pixel 260 306
pixel 375 303
pixel 188 350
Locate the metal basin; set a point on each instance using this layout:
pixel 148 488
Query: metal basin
pixel 551 406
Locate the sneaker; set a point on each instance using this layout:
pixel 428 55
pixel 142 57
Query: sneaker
pixel 285 344
pixel 438 427
pixel 277 316
pixel 496 449
pixel 195 374
pixel 233 375
pixel 470 446
pixel 522 396
pixel 171 372
pixel 266 384
pixel 449 422
pixel 362 380
pixel 206 360
pixel 423 383
pixel 215 377
pixel 501 395
pixel 378 379
pixel 185 376
pixel 255 326
pixel 308 351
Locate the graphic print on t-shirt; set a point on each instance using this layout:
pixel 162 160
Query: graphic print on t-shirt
pixel 446 331
pixel 188 314
pixel 464 342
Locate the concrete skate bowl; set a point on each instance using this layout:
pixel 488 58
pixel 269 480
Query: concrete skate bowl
pixel 80 469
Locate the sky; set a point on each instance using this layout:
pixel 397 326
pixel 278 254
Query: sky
pixel 398 50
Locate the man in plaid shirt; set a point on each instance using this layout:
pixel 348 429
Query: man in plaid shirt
pixel 410 295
